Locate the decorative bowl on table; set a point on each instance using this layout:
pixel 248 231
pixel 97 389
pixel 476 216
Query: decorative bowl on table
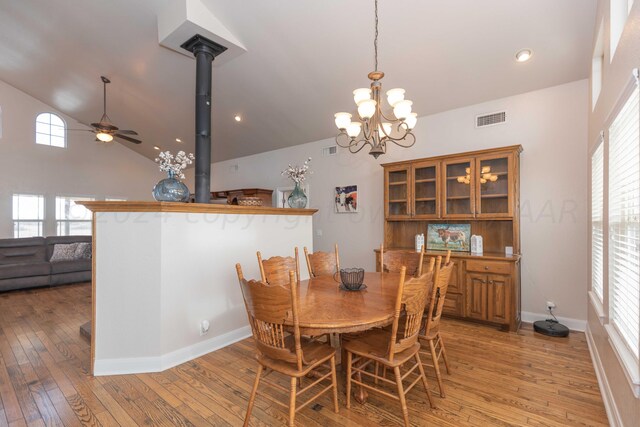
pixel 351 279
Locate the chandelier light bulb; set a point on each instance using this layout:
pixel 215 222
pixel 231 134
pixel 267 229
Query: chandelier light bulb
pixel 486 175
pixel 394 96
pixel 461 179
pixel 486 169
pixel 493 178
pixel 342 120
pixel 353 130
pixel 483 181
pixel 402 109
pixel 386 128
pixel 361 94
pixel 411 120
pixel 104 137
pixel 367 108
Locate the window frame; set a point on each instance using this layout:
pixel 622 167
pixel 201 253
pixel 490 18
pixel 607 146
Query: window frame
pixel 40 222
pixel 50 134
pixel 599 301
pixel 627 359
pixel 66 223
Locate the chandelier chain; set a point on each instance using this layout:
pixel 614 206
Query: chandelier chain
pixel 375 39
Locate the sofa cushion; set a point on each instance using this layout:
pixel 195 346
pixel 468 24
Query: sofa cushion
pixel 17 251
pixel 53 240
pixel 64 252
pixel 83 251
pixel 10 271
pixel 70 266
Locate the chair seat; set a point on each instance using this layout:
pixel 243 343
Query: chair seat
pixel 374 345
pixel 315 353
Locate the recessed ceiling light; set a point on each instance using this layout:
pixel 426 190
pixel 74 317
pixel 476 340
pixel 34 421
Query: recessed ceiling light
pixel 238 118
pixel 178 140
pixel 155 147
pixel 524 55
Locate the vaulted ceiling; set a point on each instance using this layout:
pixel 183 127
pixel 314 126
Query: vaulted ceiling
pixel 303 59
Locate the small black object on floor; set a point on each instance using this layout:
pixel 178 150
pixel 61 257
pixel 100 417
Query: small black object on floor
pixel 550 328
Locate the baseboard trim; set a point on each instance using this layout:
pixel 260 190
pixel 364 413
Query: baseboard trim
pixel 605 390
pixel 573 324
pixel 140 365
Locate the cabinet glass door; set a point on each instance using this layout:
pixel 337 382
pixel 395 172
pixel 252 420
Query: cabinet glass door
pixel 397 194
pixel 494 186
pixel 459 188
pixel 425 190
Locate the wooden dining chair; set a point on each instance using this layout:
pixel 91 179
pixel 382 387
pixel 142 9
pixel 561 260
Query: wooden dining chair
pixel 275 270
pixel 273 309
pixel 393 349
pixel 322 263
pixel 393 261
pixel 430 336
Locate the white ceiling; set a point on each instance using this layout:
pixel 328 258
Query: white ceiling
pixel 303 59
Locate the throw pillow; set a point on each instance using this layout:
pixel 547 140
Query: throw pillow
pixel 64 252
pixel 83 251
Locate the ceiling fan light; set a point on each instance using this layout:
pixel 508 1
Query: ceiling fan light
pixel 361 94
pixel 395 95
pixel 342 120
pixel 402 109
pixel 353 130
pixel 104 137
pixel 367 108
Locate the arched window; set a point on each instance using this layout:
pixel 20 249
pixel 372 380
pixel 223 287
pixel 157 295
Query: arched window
pixel 50 130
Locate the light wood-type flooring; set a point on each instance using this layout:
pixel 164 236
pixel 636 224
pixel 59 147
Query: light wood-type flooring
pixel 497 379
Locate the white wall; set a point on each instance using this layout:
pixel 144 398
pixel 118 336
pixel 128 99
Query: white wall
pixel 84 168
pixel 550 124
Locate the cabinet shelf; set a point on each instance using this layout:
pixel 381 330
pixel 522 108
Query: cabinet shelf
pixel 398 183
pixel 398 201
pixel 425 199
pixel 494 196
pixel 421 181
pixel 458 197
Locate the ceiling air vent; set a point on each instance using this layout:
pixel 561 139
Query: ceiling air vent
pixel 329 151
pixel 491 119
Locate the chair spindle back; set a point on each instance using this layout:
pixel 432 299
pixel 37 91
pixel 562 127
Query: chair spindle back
pixel 275 270
pixel 438 294
pixel 322 263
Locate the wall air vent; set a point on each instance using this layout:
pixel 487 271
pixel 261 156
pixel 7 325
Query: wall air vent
pixel 329 151
pixel 491 119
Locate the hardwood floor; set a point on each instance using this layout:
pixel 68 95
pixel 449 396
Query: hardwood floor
pixel 497 379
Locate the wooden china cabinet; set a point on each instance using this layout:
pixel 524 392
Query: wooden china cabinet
pixel 480 188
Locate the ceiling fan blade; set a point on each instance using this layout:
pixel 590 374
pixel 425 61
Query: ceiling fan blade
pixel 127 132
pixel 126 138
pixel 82 130
pixel 104 126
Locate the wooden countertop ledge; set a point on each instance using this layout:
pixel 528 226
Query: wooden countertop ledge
pixel 103 206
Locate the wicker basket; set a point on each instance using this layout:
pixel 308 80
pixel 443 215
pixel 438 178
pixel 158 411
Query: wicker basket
pixel 352 278
pixel 249 201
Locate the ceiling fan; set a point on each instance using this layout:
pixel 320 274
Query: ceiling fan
pixel 105 130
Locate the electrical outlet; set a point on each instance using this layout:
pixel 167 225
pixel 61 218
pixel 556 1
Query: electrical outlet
pixel 204 327
pixel 551 305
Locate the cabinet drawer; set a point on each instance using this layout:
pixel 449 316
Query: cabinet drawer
pixel 496 267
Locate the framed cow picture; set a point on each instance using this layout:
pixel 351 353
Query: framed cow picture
pixel 454 237
pixel 346 199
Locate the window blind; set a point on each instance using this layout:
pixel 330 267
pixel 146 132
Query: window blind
pixel 597 218
pixel 624 210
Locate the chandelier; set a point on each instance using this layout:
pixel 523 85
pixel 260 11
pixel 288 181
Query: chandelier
pixel 374 128
pixel 485 176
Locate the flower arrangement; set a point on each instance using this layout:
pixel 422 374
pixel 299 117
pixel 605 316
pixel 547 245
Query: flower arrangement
pixel 297 173
pixel 174 165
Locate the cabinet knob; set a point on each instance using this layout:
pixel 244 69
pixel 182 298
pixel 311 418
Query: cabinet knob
pixel 486 267
pixel 491 282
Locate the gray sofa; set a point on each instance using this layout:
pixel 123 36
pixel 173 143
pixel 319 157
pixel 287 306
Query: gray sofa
pixel 24 263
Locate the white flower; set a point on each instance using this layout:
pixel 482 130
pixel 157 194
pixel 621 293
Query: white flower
pixel 298 173
pixel 175 164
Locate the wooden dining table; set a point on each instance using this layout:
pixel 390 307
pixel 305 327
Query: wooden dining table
pixel 324 308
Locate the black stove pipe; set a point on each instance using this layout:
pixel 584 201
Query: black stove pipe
pixel 205 51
